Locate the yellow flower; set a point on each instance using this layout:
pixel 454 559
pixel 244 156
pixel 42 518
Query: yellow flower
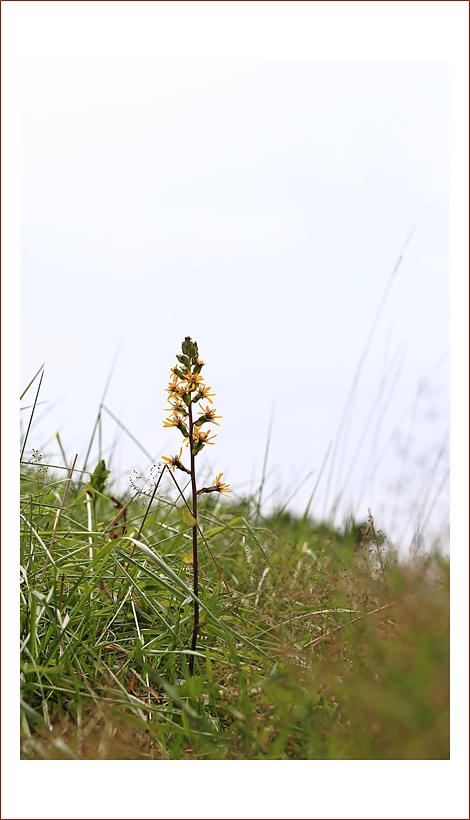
pixel 174 462
pixel 210 413
pixel 192 382
pixel 204 393
pixel 200 437
pixel 175 388
pixel 176 406
pixel 173 421
pixel 222 488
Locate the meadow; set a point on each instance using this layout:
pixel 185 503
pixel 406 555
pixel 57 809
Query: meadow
pixel 152 629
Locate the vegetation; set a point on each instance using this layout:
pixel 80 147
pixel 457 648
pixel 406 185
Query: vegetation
pixel 294 641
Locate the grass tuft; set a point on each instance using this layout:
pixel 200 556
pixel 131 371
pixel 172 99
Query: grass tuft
pixel 312 643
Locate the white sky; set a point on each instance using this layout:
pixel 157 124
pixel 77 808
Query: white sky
pixel 260 207
pixel 258 201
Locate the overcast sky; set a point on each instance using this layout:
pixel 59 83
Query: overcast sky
pixel 258 202
pixel 260 207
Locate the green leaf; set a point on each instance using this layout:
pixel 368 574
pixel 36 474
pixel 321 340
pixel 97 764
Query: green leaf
pixel 137 652
pixel 99 477
pixel 187 517
pixel 203 619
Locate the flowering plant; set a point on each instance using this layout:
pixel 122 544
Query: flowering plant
pixel 186 389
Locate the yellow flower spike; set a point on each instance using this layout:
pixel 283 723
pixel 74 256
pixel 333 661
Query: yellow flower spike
pixel 186 388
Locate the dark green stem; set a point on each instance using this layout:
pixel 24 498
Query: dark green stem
pixel 195 567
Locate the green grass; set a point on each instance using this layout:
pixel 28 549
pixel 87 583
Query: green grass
pixel 313 643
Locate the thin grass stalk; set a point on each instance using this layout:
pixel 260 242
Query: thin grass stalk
pixel 31 416
pixel 98 419
pixel 89 521
pixel 127 432
pixel 90 445
pixel 32 380
pixel 59 442
pixel 59 511
pixel 30 556
pixel 346 411
pixel 265 464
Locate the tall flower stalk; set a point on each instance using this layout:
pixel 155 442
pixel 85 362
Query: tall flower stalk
pixel 186 389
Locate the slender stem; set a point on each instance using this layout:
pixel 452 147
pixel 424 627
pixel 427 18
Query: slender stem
pixel 88 503
pixel 199 529
pixel 376 540
pixel 32 414
pixel 195 566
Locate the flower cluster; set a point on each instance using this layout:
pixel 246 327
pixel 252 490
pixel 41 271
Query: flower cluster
pixel 185 389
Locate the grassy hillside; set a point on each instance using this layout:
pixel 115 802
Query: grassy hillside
pixel 312 643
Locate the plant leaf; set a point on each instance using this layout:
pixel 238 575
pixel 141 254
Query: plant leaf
pixel 187 517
